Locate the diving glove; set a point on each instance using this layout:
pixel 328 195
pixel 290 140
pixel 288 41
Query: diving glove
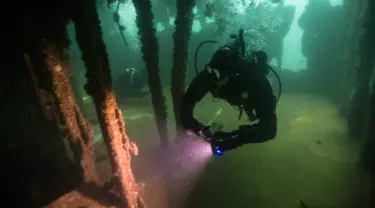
pixel 206 132
pixel 223 141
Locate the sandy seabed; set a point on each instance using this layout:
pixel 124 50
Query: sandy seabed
pixel 311 161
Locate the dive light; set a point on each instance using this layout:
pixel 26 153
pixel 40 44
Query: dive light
pixel 216 149
pixel 219 146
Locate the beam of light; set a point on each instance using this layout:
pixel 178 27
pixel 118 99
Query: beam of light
pixel 195 10
pixel 160 27
pixel 171 21
pixel 197 27
pixel 183 163
pixel 292 57
pixel 210 20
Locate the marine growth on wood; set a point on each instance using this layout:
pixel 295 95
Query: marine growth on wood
pixel 80 133
pixel 99 87
pixel 181 38
pixel 150 50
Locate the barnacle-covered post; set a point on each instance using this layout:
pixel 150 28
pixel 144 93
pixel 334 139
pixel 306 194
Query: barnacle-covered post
pixel 368 56
pixel 368 155
pixel 181 38
pixel 77 92
pixel 99 87
pixel 150 50
pixel 357 120
pixel 79 132
pixel 42 87
pixel 353 18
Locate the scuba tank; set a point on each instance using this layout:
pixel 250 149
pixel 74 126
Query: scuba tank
pixel 237 48
pixel 240 58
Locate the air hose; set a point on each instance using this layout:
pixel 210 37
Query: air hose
pixel 278 80
pixel 197 50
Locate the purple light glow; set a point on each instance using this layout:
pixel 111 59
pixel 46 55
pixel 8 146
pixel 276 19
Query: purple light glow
pixel 184 162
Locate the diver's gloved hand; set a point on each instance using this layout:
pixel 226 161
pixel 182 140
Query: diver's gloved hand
pixel 225 141
pixel 206 132
pixel 221 135
pixel 218 136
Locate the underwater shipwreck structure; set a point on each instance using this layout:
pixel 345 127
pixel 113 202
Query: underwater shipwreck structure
pixel 181 38
pixel 42 63
pixel 41 112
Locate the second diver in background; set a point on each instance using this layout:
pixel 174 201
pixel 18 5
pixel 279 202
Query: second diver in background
pixel 240 81
pixel 130 84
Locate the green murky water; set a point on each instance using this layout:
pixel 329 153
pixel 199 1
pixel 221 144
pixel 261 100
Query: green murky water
pixel 311 160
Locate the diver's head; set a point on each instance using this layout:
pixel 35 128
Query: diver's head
pixel 219 76
pixel 228 61
pixel 225 65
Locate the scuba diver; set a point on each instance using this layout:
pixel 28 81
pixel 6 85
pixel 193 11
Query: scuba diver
pixel 242 82
pixel 130 84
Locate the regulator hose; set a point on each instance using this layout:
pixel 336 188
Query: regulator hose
pixel 197 50
pixel 278 80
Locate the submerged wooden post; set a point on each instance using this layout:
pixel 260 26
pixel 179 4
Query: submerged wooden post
pixel 150 50
pixel 79 132
pixel 77 93
pixel 368 59
pixel 353 18
pixel 357 120
pixel 99 87
pixel 46 106
pixel 370 144
pixel 181 39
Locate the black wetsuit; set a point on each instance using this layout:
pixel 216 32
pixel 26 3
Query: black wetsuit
pixel 249 91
